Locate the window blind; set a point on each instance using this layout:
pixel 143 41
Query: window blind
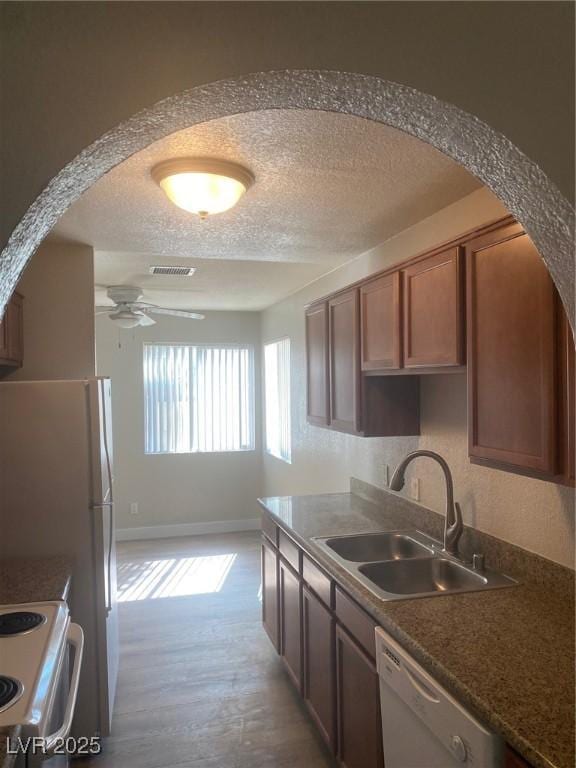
pixel 198 398
pixel 277 398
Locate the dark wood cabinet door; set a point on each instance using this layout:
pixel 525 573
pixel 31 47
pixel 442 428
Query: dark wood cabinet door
pixel 14 323
pixel 317 364
pixel 513 760
pixel 344 338
pixel 290 623
pixel 12 333
pixel 567 393
pixel 433 300
pixel 318 664
pixel 4 337
pixel 359 728
pixel 270 608
pixel 380 323
pixel 511 353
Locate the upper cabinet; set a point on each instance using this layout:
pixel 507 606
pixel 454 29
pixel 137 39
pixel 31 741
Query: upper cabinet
pixel 317 363
pixel 339 396
pixel 412 319
pixel 381 332
pixel 484 303
pixel 512 386
pixel 433 299
pixel 12 336
pixel 344 387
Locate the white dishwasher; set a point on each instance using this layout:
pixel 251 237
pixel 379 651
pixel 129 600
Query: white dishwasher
pixel 423 726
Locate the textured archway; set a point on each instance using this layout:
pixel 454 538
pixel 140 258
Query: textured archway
pixel 519 183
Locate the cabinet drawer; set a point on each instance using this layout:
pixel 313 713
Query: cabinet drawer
pixel 270 529
pixel 290 551
pixel 317 580
pixel 358 623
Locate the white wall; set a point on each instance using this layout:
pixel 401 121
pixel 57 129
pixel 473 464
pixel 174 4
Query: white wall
pixel 58 290
pixel 175 489
pixel 533 514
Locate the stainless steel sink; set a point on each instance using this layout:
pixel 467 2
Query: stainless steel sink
pixel 400 565
pixel 367 547
pixel 434 574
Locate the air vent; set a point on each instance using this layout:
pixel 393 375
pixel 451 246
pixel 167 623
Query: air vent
pixel 392 656
pixel 173 271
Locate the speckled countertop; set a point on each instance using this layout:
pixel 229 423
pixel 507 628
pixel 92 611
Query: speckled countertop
pixel 30 580
pixel 34 579
pixel 507 655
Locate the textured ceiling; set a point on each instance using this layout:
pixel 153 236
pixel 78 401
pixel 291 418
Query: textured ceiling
pixel 218 284
pixel 328 187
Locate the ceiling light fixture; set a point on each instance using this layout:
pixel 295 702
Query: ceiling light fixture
pixel 202 186
pixel 125 318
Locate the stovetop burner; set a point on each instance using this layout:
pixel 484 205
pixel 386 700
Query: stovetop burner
pixel 10 691
pixel 19 622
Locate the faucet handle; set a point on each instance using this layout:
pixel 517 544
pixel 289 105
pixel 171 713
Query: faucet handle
pixel 478 562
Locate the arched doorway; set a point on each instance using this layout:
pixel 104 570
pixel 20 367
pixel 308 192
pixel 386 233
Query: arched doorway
pixel 519 183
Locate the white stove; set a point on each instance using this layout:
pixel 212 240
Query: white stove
pixel 37 691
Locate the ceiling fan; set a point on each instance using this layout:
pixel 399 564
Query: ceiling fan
pixel 128 311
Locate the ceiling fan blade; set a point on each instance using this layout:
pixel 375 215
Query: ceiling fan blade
pixel 145 320
pixel 104 310
pixel 174 312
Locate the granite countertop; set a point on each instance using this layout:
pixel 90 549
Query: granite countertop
pixel 34 579
pixel 30 580
pixel 507 655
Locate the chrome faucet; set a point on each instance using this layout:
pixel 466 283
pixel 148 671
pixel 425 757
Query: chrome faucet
pixel 453 525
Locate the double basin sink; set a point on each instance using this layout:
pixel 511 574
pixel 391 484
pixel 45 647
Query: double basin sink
pixel 398 565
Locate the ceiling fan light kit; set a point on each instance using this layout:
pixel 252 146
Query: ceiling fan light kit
pixel 202 186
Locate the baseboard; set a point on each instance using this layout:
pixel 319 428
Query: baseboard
pixel 187 529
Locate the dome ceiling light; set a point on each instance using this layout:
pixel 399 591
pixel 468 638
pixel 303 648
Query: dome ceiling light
pixel 202 186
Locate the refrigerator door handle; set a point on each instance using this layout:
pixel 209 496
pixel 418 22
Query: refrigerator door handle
pixel 110 504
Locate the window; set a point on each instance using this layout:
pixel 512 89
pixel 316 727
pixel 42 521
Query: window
pixel 277 396
pixel 198 399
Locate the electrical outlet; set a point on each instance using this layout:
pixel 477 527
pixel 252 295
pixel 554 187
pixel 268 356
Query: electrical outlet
pixel 415 488
pixel 134 508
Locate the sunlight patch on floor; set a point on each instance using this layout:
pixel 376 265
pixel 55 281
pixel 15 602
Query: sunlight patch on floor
pixel 173 577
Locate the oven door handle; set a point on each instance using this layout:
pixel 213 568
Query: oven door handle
pixel 75 638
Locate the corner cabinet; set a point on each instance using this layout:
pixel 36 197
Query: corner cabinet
pixel 12 336
pixel 512 379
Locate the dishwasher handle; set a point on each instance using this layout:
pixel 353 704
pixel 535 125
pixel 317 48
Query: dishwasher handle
pixel 74 638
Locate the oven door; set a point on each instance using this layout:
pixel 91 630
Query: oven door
pixel 56 750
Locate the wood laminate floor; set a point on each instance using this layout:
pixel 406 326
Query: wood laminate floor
pixel 200 685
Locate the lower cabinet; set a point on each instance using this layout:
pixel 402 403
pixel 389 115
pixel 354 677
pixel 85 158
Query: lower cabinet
pixel 290 622
pixel 327 644
pixel 325 652
pixel 357 706
pixel 513 760
pixel 318 661
pixel 270 615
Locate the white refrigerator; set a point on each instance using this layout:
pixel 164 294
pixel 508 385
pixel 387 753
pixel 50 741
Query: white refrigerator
pixel 56 498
